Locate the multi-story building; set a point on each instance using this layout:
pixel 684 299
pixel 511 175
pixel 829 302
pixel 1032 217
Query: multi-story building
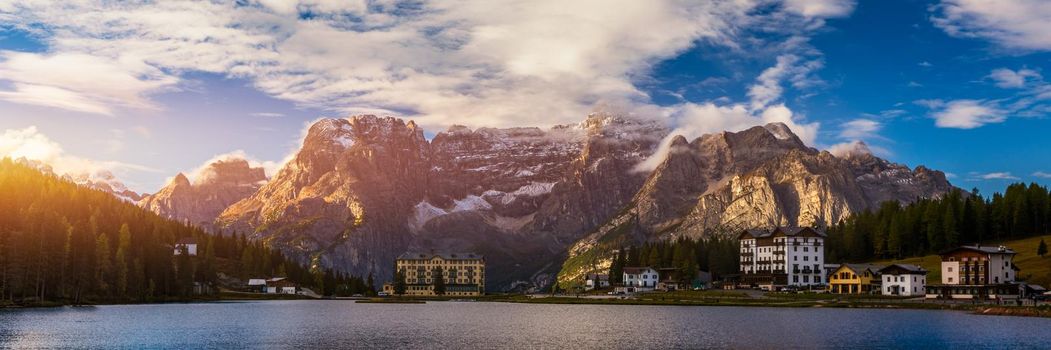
pixel 637 279
pixel 855 279
pixel 463 274
pixel 782 256
pixel 976 272
pixel 904 280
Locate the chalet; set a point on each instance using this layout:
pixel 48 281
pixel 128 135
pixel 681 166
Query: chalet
pixel 976 272
pixel 904 280
pixel 855 279
pixel 280 285
pixel 257 285
pixel 782 256
pixel 639 279
pixel 188 243
pixel 596 281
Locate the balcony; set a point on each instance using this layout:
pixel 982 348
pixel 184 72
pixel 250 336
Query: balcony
pixel 748 254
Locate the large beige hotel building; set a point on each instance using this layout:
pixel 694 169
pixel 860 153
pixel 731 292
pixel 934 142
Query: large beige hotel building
pixel 463 273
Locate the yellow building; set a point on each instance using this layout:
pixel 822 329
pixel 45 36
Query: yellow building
pixel 462 274
pixel 855 279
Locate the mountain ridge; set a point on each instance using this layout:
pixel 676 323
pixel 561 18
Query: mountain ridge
pixel 363 189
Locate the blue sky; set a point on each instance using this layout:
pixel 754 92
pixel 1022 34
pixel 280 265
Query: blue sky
pixel 148 91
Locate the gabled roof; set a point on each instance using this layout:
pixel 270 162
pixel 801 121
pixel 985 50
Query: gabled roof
pixel 980 249
pixel 754 233
pixel 857 268
pixel 445 256
pixel 187 240
pixel 904 268
pixel 785 230
pixel 636 270
pixel 797 231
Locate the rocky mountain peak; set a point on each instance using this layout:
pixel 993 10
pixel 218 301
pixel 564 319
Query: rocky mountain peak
pixel 217 186
pixel 180 180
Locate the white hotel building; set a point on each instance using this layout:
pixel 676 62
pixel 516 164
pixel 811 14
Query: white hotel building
pixel 793 256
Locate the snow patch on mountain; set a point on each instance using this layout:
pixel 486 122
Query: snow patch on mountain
pixel 533 189
pixel 424 212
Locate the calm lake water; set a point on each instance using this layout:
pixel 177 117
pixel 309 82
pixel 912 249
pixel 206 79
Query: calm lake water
pixel 344 324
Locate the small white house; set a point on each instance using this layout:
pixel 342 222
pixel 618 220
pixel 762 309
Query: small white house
pixel 594 280
pixel 189 243
pixel 904 280
pixel 640 278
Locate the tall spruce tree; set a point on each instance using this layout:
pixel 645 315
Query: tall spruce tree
pixel 438 276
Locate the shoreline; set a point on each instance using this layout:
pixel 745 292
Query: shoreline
pixel 790 301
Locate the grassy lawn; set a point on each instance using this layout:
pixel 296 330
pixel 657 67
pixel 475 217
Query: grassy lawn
pixel 1035 269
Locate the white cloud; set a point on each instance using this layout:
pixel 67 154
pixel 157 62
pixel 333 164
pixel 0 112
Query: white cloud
pixel 995 176
pixel 1006 78
pixel 1016 24
pixel 267 115
pixel 968 114
pixel 860 129
pixel 81 82
pixel 31 144
pixel 848 149
pixel 1042 174
pixel 925 64
pixel 821 8
pixel 474 62
pixel 768 89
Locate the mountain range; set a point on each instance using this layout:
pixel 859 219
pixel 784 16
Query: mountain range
pixel 364 189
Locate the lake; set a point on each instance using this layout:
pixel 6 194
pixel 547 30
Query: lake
pixel 345 324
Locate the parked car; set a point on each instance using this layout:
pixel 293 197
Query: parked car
pixel 382 294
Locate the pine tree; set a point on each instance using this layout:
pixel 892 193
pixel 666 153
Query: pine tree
pixel 103 264
pixel 399 283
pixel 209 274
pixel 370 285
pixel 121 260
pixel 247 263
pixel 616 268
pixel 951 236
pixel 654 257
pixel 438 277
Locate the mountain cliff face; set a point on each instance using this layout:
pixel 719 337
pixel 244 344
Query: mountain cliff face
pixel 760 177
pixel 363 190
pixel 219 185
